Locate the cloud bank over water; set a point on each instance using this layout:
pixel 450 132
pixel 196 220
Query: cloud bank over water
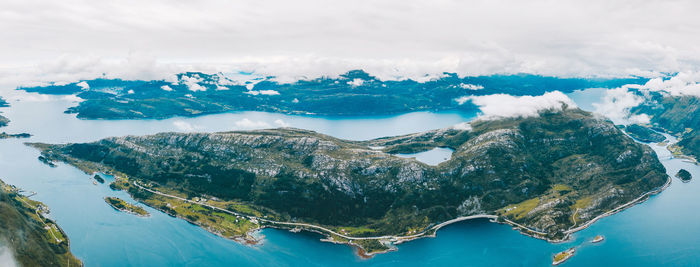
pixel 683 83
pixel 616 105
pixel 508 106
pixel 80 39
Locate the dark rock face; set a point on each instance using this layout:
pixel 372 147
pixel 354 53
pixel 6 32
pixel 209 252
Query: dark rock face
pixel 684 175
pixel 558 163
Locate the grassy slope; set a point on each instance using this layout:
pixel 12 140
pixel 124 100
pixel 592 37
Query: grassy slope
pixel 32 244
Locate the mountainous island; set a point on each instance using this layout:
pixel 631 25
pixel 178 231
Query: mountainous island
pixel 547 176
pixel 355 93
pixel 33 239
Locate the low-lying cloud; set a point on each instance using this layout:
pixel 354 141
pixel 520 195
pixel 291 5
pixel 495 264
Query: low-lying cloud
pixel 683 83
pixel 7 258
pixel 508 106
pixel 616 105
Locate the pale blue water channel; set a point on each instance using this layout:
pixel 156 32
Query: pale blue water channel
pixel 662 230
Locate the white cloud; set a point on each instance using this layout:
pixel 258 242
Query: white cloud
pixel 392 38
pixel 84 85
pixel 6 257
pixel 683 83
pixel 269 92
pixel 471 86
pixel 166 88
pixel 253 92
pixel 464 126
pixel 263 92
pixel 249 124
pixel 72 98
pixel 616 105
pixel 192 83
pixel 505 106
pixel 356 82
pixel 281 123
pixel 185 126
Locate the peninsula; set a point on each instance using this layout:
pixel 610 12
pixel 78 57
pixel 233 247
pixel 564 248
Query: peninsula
pixel 33 239
pixel 547 176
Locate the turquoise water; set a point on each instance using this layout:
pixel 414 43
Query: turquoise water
pixel 433 157
pixel 663 230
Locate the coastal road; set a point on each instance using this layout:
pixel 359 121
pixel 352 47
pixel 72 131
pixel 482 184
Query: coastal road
pixel 321 228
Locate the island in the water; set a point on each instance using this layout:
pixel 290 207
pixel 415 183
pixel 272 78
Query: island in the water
pixel 4 121
pixel 547 176
pixel 121 205
pixel 5 135
pixel 355 93
pixel 32 239
pixel 561 257
pixel 684 175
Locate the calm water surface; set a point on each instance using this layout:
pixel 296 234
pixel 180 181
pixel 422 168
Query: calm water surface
pixel 662 230
pixel 431 157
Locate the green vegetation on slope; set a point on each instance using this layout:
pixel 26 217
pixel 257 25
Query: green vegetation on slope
pixel 121 205
pixel 679 115
pixel 33 239
pixel 535 171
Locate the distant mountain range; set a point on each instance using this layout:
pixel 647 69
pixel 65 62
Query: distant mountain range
pixel 355 93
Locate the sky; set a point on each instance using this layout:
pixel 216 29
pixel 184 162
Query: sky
pixel 66 40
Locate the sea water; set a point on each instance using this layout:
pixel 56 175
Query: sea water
pixel 663 230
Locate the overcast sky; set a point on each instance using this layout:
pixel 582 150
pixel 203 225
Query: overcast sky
pixel 70 39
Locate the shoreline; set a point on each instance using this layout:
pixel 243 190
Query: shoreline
pixel 391 240
pixel 126 210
